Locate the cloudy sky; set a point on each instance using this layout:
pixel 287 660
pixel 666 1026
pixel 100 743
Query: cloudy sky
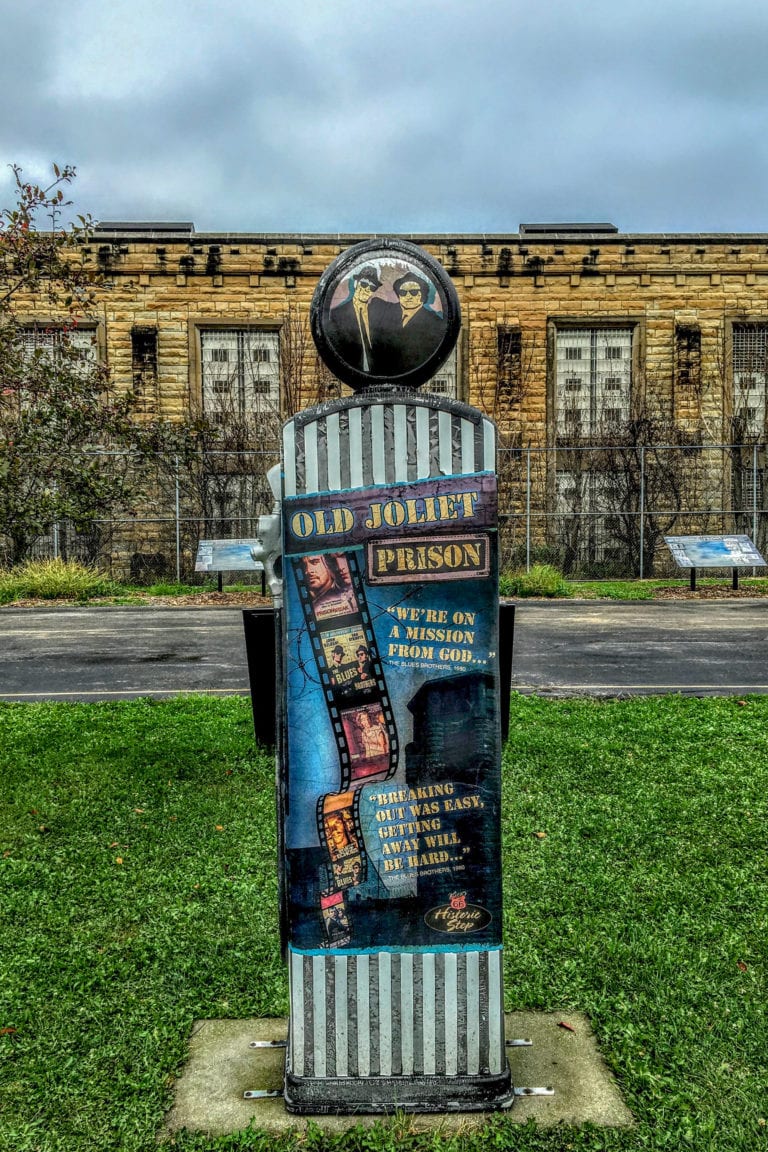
pixel 406 116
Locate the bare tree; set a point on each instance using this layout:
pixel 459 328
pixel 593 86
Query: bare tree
pixel 57 404
pixel 218 458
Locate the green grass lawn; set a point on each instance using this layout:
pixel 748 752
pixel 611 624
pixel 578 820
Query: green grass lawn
pixel 73 583
pixel 645 589
pixel 138 892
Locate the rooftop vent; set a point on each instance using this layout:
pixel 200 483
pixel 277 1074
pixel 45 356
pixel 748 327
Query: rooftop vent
pixel 567 229
pixel 183 226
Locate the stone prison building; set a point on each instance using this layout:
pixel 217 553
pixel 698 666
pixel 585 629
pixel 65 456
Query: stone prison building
pixel 627 375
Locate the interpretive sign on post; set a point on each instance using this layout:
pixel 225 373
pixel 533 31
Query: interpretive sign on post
pixel 389 730
pixel 230 556
pixel 714 552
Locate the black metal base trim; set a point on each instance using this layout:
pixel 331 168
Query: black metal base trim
pixel 344 1096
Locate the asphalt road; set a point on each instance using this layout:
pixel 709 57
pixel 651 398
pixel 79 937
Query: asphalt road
pixel 561 648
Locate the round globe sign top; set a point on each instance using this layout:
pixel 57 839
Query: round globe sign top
pixel 385 313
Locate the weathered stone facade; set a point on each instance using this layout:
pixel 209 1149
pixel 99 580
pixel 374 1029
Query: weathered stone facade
pixel 658 285
pixel 539 308
pixel 179 283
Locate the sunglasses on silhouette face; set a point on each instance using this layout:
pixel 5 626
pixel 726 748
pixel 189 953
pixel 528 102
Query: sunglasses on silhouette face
pixel 409 291
pixel 366 284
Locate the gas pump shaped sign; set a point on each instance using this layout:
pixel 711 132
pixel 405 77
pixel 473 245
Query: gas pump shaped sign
pixel 390 792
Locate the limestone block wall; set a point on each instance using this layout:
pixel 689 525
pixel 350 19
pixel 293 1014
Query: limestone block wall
pixel 680 294
pixel 178 284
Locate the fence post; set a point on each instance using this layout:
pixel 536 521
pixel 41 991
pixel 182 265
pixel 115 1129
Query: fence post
pixel 55 528
pixel 528 509
pixel 754 494
pixel 642 509
pixel 178 521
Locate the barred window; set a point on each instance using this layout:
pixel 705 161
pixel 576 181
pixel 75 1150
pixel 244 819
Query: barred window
pixel 35 339
pixel 444 383
pixel 750 375
pixel 752 488
pixel 584 501
pixel 240 371
pixel 593 378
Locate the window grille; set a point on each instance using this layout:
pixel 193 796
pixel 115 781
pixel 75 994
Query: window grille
pixel 603 372
pixel 752 496
pixel 444 384
pixel 83 339
pixel 240 372
pixel 144 363
pixel 750 375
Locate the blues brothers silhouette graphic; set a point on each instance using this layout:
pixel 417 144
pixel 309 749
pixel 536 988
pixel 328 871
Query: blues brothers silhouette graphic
pixel 383 315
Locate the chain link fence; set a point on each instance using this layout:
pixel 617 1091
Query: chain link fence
pixel 595 511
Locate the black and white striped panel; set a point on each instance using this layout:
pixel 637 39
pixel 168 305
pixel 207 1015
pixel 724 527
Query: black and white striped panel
pixel 397 1014
pixel 384 443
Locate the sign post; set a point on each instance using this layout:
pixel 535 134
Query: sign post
pixel 390 745
pixel 732 552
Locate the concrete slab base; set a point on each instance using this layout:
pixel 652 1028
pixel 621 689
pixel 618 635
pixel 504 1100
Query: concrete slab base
pixel 222 1066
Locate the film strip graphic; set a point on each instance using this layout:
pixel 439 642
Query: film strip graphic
pixel 338 621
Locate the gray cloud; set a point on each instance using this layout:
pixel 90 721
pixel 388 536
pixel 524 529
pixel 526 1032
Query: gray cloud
pixel 441 116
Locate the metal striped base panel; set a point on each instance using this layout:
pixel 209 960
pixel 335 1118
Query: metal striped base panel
pixel 385 1031
pixel 354 444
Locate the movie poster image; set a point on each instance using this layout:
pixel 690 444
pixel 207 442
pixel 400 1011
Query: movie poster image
pixel 335 919
pixel 341 839
pixel 367 740
pixel 348 658
pixel 329 584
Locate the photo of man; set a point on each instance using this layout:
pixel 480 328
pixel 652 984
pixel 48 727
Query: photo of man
pixel 338 836
pixel 349 329
pixel 330 586
pixel 348 661
pixel 389 322
pixel 341 842
pixel 335 918
pixel 385 313
pixel 364 670
pixel 406 333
